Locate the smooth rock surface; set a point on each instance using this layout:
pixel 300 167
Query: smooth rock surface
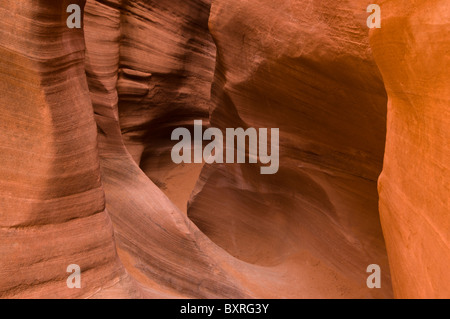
pixel 52 203
pixel 168 47
pixel 156 242
pixel 85 170
pixel 306 68
pixel 412 50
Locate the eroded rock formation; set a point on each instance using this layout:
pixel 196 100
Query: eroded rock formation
pixel 306 68
pixel 412 49
pixel 52 211
pixel 85 170
pixel 166 64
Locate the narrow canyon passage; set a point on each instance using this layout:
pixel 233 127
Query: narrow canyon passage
pixel 317 217
pixel 87 175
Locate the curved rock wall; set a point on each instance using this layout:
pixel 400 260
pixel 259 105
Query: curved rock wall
pixel 52 204
pixel 85 170
pixel 306 68
pixel 167 60
pixel 158 245
pixel 412 50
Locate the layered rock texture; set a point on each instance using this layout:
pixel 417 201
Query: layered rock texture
pixel 86 175
pixel 412 49
pixel 52 210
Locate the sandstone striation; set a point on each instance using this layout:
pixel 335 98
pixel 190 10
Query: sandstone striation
pixel 306 68
pixel 166 44
pixel 412 50
pixel 155 240
pixel 86 175
pixel 52 203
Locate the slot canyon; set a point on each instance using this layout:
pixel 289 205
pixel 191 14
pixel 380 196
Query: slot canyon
pixel 87 178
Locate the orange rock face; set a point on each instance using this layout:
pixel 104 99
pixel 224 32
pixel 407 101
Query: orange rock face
pixel 156 242
pixel 284 64
pixel 52 211
pixel 411 50
pixel 86 175
pixel 165 72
